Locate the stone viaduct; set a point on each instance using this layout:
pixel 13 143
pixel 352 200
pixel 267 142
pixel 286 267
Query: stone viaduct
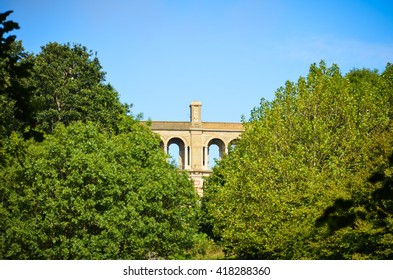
pixel 194 139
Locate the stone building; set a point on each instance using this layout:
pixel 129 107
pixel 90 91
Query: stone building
pixel 194 139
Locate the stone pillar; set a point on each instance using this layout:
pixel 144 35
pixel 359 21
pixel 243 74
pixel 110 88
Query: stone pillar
pixel 196 149
pixel 196 114
pixel 181 158
pixel 185 157
pixel 206 158
pixel 196 135
pixel 190 157
pixel 222 150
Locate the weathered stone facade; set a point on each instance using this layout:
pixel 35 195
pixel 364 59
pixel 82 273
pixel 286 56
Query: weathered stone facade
pixel 194 139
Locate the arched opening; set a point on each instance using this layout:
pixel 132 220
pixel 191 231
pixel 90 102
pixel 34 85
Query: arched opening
pixel 176 152
pixel 214 155
pixel 232 144
pixel 215 151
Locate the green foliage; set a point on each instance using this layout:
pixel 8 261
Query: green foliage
pixel 310 178
pixel 206 249
pixel 299 153
pixel 363 223
pixel 63 83
pixel 97 186
pixel 15 95
pixel 70 86
pixel 86 194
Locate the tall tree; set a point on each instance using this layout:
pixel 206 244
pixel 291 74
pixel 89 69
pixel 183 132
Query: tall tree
pixel 298 154
pixel 97 186
pixel 70 86
pixel 362 223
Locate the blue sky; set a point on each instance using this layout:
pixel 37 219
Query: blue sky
pixel 161 55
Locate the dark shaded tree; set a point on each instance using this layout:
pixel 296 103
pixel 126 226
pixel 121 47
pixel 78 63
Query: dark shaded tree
pixel 16 112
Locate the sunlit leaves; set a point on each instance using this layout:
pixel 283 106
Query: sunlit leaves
pixel 299 153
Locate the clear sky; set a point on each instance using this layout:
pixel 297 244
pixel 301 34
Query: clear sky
pixel 161 55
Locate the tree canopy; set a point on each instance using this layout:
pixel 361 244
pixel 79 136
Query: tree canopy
pixel 70 86
pixel 316 142
pixel 96 185
pixel 86 194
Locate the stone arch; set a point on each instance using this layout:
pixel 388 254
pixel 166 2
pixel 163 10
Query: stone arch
pixel 196 136
pixel 221 150
pixel 183 150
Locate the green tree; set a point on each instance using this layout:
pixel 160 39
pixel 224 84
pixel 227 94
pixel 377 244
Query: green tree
pixel 70 86
pixel 362 224
pixel 298 154
pixel 15 96
pixel 98 186
pixel 87 194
